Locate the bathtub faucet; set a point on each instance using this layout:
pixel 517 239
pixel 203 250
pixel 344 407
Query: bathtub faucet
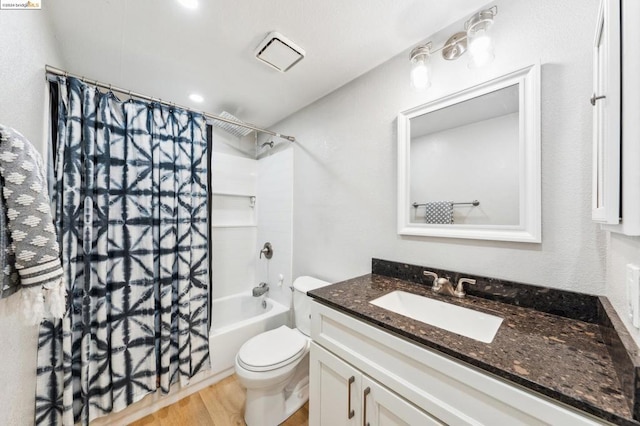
pixel 261 289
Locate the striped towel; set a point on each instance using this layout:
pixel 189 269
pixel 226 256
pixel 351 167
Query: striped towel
pixel 440 212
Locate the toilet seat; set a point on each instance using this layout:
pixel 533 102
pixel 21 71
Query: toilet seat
pixel 272 349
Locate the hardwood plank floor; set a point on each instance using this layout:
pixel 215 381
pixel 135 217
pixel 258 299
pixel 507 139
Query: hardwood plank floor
pixel 219 405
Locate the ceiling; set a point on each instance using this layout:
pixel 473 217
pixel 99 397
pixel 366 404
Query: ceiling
pixel 165 50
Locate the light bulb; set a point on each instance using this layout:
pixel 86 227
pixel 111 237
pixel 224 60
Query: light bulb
pixel 480 51
pixel 420 74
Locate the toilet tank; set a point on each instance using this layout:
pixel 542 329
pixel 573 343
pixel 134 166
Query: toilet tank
pixel 302 302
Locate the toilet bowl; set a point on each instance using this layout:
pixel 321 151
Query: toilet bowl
pixel 274 366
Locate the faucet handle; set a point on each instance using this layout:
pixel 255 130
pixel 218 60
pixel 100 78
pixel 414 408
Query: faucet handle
pixel 267 250
pixel 432 275
pixel 460 288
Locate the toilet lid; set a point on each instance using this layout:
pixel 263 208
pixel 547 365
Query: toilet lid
pixel 272 349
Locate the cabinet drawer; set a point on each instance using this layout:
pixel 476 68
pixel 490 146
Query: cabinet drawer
pixel 451 391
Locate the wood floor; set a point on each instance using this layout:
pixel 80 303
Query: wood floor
pixel 221 405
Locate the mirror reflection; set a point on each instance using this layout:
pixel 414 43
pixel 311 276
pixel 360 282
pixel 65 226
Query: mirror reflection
pixel 465 162
pixel 469 162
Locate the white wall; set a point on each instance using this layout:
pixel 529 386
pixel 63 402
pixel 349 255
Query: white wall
pixel 345 160
pixel 275 217
pixel 28 44
pixel 477 161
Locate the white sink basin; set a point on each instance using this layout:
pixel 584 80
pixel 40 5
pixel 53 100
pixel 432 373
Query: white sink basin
pixel 459 320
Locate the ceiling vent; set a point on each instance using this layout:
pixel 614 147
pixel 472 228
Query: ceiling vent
pixel 279 52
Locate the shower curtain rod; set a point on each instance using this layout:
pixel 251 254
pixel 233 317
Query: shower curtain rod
pixel 50 70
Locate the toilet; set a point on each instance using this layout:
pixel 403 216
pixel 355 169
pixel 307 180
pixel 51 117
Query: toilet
pixel 274 366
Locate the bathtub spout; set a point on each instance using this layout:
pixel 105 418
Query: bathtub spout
pixel 261 289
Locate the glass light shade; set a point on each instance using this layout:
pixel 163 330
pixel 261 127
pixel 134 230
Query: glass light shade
pixel 481 50
pixel 420 72
pixel 479 41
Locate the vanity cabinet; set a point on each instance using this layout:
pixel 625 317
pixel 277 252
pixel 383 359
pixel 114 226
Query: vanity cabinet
pixel 410 384
pixel 343 395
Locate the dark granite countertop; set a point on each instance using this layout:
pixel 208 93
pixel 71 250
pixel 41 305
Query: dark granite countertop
pixel 563 358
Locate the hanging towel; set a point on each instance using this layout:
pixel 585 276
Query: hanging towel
pixel 29 251
pixel 439 212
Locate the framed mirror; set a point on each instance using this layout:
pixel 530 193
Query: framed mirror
pixel 469 163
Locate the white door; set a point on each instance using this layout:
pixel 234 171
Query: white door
pixel 382 407
pixel 335 390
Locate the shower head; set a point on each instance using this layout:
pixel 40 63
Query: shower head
pixel 231 128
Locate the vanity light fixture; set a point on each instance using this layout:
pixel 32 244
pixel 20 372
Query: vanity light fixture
pixel 476 39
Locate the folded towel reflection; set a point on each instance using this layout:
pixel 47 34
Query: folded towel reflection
pixel 440 212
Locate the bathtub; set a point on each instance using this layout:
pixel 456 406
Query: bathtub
pixel 236 319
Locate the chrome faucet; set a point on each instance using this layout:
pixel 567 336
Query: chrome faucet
pixel 260 289
pixel 444 286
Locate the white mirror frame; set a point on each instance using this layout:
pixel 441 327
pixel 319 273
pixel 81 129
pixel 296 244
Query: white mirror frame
pixel 529 228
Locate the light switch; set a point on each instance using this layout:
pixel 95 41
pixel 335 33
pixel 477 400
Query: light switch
pixel 633 293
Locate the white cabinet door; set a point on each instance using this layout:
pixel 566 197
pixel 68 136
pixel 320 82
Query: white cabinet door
pixel 606 115
pixel 616 125
pixel 381 407
pixel 335 391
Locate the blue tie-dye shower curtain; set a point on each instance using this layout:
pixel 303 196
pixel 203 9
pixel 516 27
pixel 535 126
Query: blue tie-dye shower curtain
pixel 130 203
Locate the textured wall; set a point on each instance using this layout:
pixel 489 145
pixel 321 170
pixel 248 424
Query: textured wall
pixel 27 45
pixel 345 160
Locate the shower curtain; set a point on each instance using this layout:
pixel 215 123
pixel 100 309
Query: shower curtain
pixel 130 206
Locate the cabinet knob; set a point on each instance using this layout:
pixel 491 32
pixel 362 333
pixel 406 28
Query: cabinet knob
pixel 595 98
